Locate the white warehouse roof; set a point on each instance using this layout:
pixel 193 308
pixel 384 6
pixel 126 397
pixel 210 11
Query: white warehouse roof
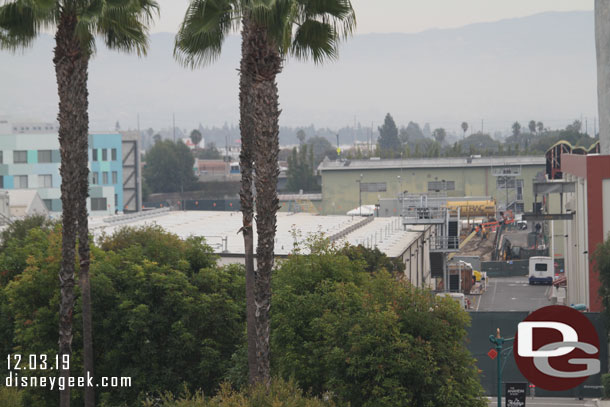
pixel 215 226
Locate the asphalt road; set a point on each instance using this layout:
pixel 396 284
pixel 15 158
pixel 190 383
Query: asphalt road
pixel 511 294
pixel 550 402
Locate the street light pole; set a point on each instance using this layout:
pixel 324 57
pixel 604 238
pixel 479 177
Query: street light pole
pixel 359 181
pixel 499 341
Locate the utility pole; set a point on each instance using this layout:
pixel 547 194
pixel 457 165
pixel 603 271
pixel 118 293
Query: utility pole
pixel 174 125
pixel 227 159
pixel 359 181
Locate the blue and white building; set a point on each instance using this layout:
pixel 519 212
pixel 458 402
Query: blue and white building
pixel 31 161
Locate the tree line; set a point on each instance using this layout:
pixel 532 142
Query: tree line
pixel 411 142
pixel 346 329
pixel 270 31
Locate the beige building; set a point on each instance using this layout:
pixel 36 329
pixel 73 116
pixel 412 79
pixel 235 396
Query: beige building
pixel 346 184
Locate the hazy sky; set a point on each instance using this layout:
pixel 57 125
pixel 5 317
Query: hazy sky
pixel 383 16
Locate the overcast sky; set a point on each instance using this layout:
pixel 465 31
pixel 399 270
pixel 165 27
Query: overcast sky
pixel 409 16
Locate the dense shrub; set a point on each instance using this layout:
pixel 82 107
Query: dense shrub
pixel 163 313
pixel 367 339
pixel 10 397
pixel 280 394
pixel 606 385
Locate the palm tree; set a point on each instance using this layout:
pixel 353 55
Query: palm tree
pixel 196 137
pixel 123 25
pixel 532 126
pixel 270 32
pixel 464 128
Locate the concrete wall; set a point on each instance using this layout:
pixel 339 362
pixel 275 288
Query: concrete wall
pixel 340 189
pixel 417 262
pixel 576 244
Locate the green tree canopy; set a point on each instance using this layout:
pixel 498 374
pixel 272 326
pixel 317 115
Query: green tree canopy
pixel 439 135
pixel 602 264
pixel 388 137
pixel 516 129
pixel 321 148
pixel 367 338
pixel 169 167
pixel 464 128
pixel 302 170
pixel 532 126
pixel 196 137
pixel 301 136
pixel 210 152
pixel 167 315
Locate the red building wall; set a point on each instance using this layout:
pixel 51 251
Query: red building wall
pixel 594 168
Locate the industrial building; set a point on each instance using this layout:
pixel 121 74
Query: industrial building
pixel 347 184
pixel 411 246
pixel 584 183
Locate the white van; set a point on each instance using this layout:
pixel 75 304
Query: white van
pixel 542 270
pixel 459 297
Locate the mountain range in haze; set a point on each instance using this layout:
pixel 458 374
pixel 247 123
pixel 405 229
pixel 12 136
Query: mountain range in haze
pixel 540 67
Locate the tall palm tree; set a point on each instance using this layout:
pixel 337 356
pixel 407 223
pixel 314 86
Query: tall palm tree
pixel 271 30
pixel 464 128
pixel 123 24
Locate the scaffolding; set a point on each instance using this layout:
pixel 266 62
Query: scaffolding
pixel 432 209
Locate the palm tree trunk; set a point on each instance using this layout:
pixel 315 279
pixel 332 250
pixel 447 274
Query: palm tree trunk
pixel 262 64
pixel 71 74
pixel 83 234
pixel 246 198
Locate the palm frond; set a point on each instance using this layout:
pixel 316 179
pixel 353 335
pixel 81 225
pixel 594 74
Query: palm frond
pixel 278 17
pixel 321 25
pixel 315 39
pixel 205 27
pixel 124 24
pixel 19 25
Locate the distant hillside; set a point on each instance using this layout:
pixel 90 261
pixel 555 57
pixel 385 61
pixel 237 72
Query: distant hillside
pixel 539 67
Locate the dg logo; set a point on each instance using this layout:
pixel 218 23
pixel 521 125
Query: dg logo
pixel 557 348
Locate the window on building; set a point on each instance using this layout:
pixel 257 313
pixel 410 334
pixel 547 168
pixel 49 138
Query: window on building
pixel 48 203
pixel 1 182
pixel 94 154
pixel 105 177
pixel 44 156
pixel 98 204
pixel 95 178
pixel 21 181
pixel 45 181
pixel 508 182
pixel 1 157
pixel 104 154
pixel 115 177
pixel 373 186
pixel 116 201
pixel 113 154
pixel 441 186
pixel 20 157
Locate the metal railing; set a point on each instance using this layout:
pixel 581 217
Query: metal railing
pixel 444 243
pixel 136 216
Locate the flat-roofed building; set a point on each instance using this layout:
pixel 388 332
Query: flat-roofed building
pixel 509 180
pixel 220 231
